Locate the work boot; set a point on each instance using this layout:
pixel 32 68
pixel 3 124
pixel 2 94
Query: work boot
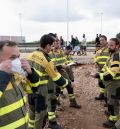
pixel 100 97
pixel 108 124
pixel 74 104
pixel 54 125
pixel 114 127
pixel 107 113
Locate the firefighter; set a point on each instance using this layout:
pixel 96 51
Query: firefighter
pixel 13 82
pixel 52 97
pixel 40 60
pixel 60 60
pixel 111 78
pixel 69 59
pixel 100 60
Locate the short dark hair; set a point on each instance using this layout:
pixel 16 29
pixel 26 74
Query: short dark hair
pixel 68 48
pixel 53 35
pixel 103 36
pixel 115 40
pixel 7 43
pixel 45 40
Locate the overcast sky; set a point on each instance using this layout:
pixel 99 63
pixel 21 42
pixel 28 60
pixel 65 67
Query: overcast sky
pixel 43 16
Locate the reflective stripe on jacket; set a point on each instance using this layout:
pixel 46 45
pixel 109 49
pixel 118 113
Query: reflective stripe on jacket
pixel 13 113
pixel 42 63
pixel 101 57
pixel 112 68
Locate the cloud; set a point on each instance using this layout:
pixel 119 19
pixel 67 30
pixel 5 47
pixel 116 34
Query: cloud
pixel 84 17
pixel 49 10
pixel 55 10
pixel 109 8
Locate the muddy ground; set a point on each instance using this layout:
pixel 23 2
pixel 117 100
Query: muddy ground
pixel 91 115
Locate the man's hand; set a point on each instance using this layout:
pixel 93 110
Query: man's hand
pixel 6 66
pixel 26 66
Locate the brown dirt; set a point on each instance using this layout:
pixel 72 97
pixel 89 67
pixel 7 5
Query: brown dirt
pixel 91 115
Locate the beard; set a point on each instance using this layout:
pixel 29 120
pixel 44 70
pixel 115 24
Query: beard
pixel 111 50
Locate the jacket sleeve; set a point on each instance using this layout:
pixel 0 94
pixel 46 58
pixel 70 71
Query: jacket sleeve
pixel 57 78
pixel 4 80
pixel 33 79
pixel 113 71
pixel 50 69
pixel 97 56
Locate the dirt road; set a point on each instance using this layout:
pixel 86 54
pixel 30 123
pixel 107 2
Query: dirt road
pixel 91 116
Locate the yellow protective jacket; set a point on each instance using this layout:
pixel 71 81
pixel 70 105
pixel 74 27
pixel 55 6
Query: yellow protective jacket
pixel 46 68
pixel 69 59
pixel 101 57
pixel 13 112
pixel 57 57
pixel 112 68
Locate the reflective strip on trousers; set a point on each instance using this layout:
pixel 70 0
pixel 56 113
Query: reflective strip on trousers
pixel 31 123
pixel 13 106
pixel 17 123
pixel 101 76
pixel 71 96
pixel 102 90
pixel 51 115
pixel 113 118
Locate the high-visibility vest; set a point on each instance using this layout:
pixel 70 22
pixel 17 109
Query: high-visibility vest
pixel 101 57
pixel 46 68
pixel 13 113
pixel 57 57
pixel 112 67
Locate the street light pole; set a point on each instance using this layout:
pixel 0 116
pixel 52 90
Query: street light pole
pixel 20 16
pixel 101 22
pixel 67 10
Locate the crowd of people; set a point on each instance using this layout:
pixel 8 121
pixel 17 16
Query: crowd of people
pixel 44 74
pixel 78 47
pixel 30 88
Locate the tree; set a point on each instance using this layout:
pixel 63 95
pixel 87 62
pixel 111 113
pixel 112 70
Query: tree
pixel 118 36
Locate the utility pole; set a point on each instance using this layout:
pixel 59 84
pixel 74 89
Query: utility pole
pixel 101 22
pixel 21 34
pixel 67 10
pixel 20 16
